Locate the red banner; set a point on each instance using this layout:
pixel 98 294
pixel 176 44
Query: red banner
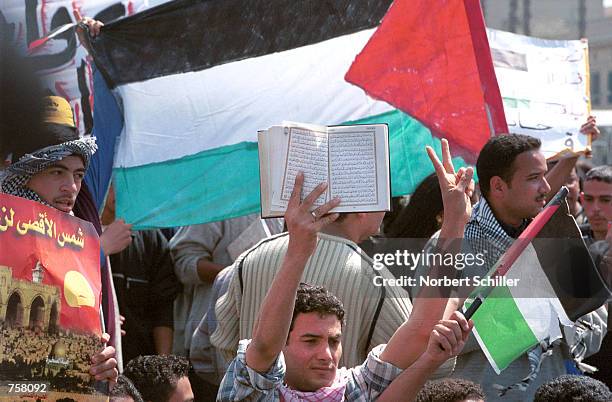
pixel 50 290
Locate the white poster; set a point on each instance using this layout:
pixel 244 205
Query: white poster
pixel 544 86
pixel 65 67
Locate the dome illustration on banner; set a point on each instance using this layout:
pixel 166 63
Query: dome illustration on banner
pixel 77 291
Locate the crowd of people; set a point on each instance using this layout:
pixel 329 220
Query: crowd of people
pixel 31 349
pixel 295 314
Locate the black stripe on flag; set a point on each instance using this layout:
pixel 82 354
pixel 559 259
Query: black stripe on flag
pixel 563 256
pixel 190 35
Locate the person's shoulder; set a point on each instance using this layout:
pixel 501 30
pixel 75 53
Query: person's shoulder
pixel 273 244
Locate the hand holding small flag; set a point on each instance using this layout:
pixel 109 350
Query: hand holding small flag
pixel 448 338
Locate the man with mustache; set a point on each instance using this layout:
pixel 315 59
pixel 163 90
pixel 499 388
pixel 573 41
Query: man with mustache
pixel 596 199
pixel 515 187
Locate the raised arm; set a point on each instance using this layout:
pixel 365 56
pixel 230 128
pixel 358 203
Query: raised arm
pixel 558 174
pixel 431 303
pixel 277 307
pixel 447 339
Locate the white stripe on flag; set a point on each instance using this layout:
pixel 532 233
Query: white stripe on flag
pixel 513 319
pixel 174 116
pixel 533 282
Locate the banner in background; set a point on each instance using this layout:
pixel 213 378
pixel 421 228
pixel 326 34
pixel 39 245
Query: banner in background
pixel 63 63
pixel 545 86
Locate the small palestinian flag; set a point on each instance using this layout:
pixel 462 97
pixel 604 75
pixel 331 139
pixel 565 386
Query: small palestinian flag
pixel 546 277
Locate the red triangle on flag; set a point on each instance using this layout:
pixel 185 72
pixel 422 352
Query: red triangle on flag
pixel 431 59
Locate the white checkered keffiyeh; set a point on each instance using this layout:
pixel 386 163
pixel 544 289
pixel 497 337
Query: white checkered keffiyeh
pixel 15 178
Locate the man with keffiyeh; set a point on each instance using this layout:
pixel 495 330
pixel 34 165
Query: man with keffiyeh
pixel 52 175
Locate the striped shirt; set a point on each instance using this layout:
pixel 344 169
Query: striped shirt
pixel 372 313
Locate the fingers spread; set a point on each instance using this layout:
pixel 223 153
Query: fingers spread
pixel 296 194
pixel 314 195
pixel 440 172
pixel 446 157
pixel 328 206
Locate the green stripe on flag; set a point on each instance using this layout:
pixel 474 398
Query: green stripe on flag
pixel 407 140
pixel 502 328
pixel 209 186
pixel 223 183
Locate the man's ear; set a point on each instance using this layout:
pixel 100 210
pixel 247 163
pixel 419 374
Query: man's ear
pixel 581 197
pixel 497 186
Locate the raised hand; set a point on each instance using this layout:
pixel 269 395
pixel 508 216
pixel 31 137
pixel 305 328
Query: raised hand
pixel 93 27
pixel 448 338
pixel 303 224
pixel 457 187
pixel 590 127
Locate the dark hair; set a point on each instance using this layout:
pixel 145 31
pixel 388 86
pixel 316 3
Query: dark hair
pixel 156 376
pixel 317 299
pixel 49 134
pixel 418 219
pixel 21 105
pixel 573 388
pixel 449 390
pixel 497 157
pixel 600 173
pixel 125 389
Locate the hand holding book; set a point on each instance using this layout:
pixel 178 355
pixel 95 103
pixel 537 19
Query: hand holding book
pixel 353 160
pixel 304 225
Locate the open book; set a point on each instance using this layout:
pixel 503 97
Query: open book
pixel 353 160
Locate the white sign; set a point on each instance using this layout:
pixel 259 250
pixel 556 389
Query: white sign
pixel 544 86
pixel 65 68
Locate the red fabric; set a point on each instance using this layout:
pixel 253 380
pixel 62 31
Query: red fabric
pixel 21 247
pixel 530 233
pixel 423 61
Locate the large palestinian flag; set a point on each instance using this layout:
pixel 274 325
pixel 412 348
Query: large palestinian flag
pixel 546 278
pixel 196 80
